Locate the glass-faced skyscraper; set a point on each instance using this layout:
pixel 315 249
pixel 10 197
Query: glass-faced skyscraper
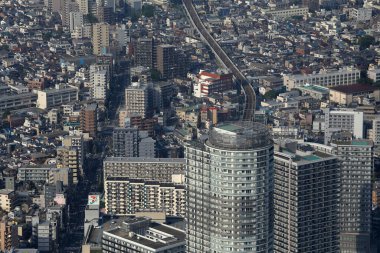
pixel 229 190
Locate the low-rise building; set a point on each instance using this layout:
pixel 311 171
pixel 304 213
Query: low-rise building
pixel 209 83
pixel 8 199
pixel 62 94
pixel 314 91
pixel 138 234
pixel 17 101
pixel 348 94
pixel 326 78
pixel 288 12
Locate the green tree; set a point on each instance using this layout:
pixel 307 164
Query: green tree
pixel 271 94
pixel 366 41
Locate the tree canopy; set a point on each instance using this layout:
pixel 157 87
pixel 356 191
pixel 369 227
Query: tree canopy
pixel 366 41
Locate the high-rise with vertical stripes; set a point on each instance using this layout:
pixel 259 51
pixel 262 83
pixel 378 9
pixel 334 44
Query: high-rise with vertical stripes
pixel 229 187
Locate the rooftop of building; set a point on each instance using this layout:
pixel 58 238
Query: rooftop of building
pixel 301 153
pixel 354 88
pixel 314 88
pixel 124 227
pixel 239 135
pixel 169 235
pixel 144 160
pixel 357 142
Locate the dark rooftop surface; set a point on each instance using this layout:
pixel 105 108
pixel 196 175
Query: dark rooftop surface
pixel 354 88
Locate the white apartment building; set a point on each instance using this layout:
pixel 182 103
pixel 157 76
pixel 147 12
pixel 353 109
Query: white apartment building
pixel 99 89
pixel 62 94
pixel 346 120
pixel 80 32
pixel 149 169
pixel 7 199
pixel 136 99
pixel 76 20
pixel 125 196
pixel 360 14
pixel 326 78
pixel 287 13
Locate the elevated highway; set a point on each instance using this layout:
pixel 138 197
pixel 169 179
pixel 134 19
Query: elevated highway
pixel 250 96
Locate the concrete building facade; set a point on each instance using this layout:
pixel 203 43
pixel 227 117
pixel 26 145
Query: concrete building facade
pixel 229 184
pixel 355 195
pixel 326 78
pixel 157 169
pixel 306 198
pixel 126 196
pixel 100 38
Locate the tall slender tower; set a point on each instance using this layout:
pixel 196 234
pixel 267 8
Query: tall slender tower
pixel 229 182
pixel 100 38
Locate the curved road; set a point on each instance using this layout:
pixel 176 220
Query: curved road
pixel 250 95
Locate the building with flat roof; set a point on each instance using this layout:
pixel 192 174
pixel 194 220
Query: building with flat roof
pixel 306 198
pixel 126 196
pixel 157 169
pixel 288 12
pixel 100 38
pixel 138 234
pixel 62 94
pixel 9 102
pixel 8 199
pixel 326 78
pixel 89 119
pixel 356 170
pixel 145 53
pixel 314 91
pixel 8 235
pixel 136 100
pixel 346 120
pixel 209 83
pixel 130 142
pixel 347 94
pixel 45 173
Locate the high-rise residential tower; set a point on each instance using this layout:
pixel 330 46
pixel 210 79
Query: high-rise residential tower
pixel 144 54
pixel 306 197
pixel 89 119
pixel 229 187
pixel 355 196
pixel 136 99
pixel 100 38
